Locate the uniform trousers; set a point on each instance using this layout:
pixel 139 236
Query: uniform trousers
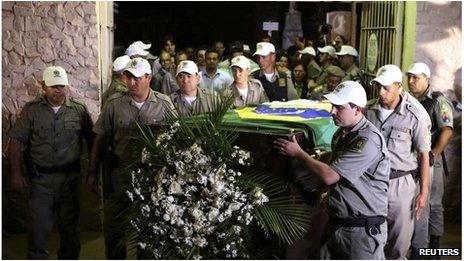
pixel 354 243
pixel 420 239
pixel 114 217
pixel 400 216
pixel 51 194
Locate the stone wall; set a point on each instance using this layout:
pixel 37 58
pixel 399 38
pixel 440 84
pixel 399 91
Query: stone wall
pixel 438 43
pixel 438 38
pixel 41 34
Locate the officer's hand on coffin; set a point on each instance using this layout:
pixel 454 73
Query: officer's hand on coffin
pixel 288 148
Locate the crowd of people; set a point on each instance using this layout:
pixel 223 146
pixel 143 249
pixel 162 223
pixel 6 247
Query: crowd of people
pixel 385 171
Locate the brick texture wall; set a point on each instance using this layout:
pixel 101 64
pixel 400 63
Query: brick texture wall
pixel 40 34
pixel 438 35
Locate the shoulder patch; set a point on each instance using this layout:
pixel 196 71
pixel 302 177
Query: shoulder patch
pixel 78 102
pixel 35 101
pixel 115 96
pixel 358 144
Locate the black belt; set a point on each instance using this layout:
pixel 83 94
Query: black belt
pixel 358 221
pixel 398 173
pixel 371 223
pixel 68 167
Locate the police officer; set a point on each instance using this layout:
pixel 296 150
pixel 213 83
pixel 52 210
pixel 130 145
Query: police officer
pixel 245 90
pixel 191 99
pixel 347 58
pixel 52 128
pixel 358 173
pixel 440 112
pixel 117 120
pixel 334 76
pixel 118 81
pixel 326 57
pixel 278 85
pixel 406 132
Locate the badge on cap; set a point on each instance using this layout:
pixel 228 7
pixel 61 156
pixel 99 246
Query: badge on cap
pixel 282 82
pixel 134 63
pixel 56 73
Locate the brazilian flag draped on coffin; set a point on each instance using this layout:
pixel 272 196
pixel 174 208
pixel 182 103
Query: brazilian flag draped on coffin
pixel 310 117
pixel 192 194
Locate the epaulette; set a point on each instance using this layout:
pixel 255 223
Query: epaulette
pixel 35 101
pixel 115 95
pixel 253 80
pixel 79 102
pixel 163 97
pixel 414 109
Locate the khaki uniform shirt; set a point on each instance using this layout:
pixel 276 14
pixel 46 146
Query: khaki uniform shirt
pixel 361 158
pixel 255 94
pixel 116 86
pixel 169 84
pixel 321 79
pixel 353 74
pixel 203 103
pixel 313 70
pixel 53 139
pixel 118 117
pixel 405 131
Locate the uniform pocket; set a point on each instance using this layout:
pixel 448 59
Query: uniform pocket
pixel 72 123
pixel 43 128
pixel 400 140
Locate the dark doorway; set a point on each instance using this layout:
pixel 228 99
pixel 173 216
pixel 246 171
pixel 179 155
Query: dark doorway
pixel 201 23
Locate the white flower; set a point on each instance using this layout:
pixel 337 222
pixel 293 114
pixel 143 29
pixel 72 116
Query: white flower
pixel 197 214
pixel 175 188
pixel 213 213
pixel 142 245
pixel 202 179
pixel 130 195
pixel 166 217
pixel 237 229
pixel 170 199
pixel 221 218
pixel 145 155
pixel 146 210
pixel 234 206
pixel 199 241
pixel 218 187
pixel 197 257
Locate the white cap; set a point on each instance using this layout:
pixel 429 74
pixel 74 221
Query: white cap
pixel 138 67
pixel 347 50
pixel 142 45
pixel 388 74
pixel 327 49
pixel 120 63
pixel 134 49
pixel 55 75
pixel 240 61
pixel 187 66
pixel 346 92
pixel 264 48
pixel 418 68
pixel 308 50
